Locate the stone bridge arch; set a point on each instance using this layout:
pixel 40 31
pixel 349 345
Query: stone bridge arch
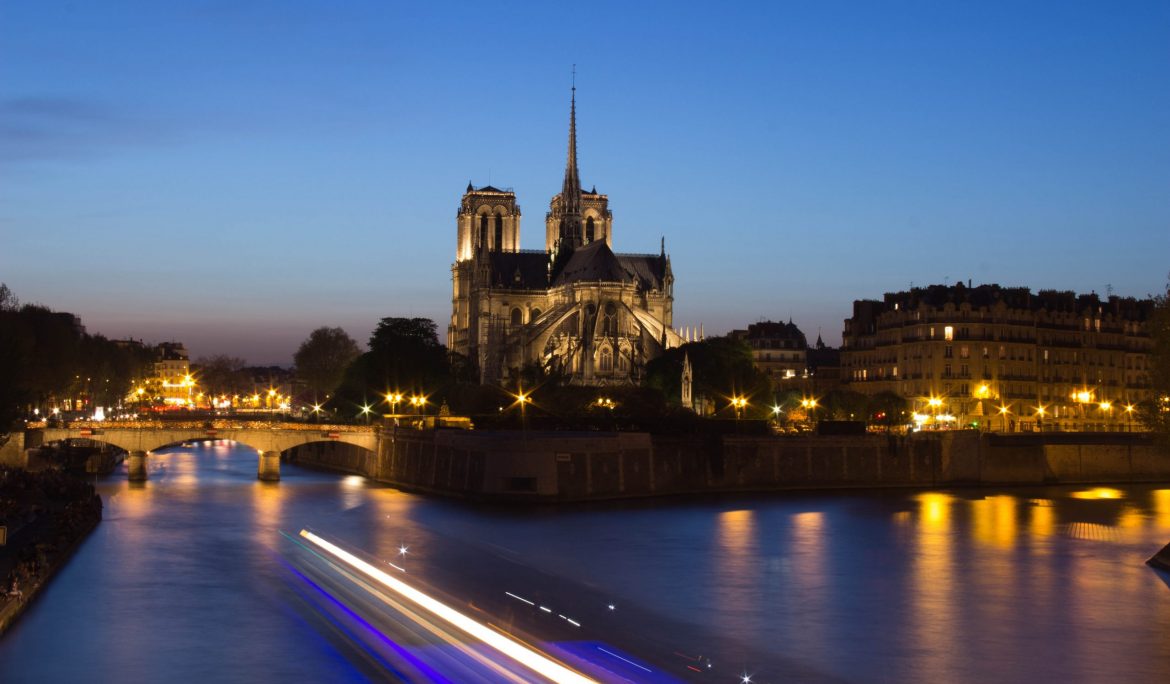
pixel 269 442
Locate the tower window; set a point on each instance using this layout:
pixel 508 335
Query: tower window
pixel 499 243
pixel 589 230
pixel 517 316
pixel 483 231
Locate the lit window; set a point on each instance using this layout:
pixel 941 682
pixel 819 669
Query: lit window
pixel 949 333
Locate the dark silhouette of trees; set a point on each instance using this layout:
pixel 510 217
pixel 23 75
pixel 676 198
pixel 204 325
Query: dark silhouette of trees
pixel 46 356
pixel 405 357
pixel 722 368
pixel 322 359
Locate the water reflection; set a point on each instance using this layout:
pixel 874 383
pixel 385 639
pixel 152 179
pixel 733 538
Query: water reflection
pixel 1045 584
pixel 931 586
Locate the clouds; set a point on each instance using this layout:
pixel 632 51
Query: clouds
pixel 56 127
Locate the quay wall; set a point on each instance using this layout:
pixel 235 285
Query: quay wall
pixel 584 466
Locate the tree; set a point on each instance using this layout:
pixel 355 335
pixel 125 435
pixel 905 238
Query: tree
pixel 322 359
pixel 722 367
pixel 843 404
pixel 1156 413
pixel 220 374
pixel 888 409
pixel 405 357
pixel 8 300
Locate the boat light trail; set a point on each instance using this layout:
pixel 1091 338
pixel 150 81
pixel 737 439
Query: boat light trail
pixel 625 660
pixel 531 659
pixel 519 598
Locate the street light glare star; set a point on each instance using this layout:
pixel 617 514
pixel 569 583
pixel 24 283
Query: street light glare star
pixel 403 549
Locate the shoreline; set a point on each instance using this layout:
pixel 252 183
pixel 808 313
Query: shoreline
pixel 59 529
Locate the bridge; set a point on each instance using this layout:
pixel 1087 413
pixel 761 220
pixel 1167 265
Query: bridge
pixel 139 438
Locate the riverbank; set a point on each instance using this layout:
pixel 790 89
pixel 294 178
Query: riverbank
pixel 45 515
pixel 549 466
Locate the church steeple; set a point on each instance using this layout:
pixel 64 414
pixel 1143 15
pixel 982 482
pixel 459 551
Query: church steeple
pixel 569 232
pixel 576 217
pixel 571 188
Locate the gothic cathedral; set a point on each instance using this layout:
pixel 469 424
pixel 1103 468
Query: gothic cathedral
pixel 574 309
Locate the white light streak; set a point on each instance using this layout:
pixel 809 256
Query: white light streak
pixel 625 660
pixel 547 610
pixel 519 598
pixel 531 659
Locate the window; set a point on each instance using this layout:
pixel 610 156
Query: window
pixel 949 352
pixel 947 371
pixel 949 333
pixel 483 231
pixel 589 230
pixel 964 352
pixel 534 315
pixel 517 316
pixel 499 244
pixel 606 360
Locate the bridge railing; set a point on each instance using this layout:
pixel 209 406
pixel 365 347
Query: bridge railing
pixel 203 425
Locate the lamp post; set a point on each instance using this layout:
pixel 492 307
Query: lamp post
pixel 934 403
pixel 1003 413
pixel 738 403
pixel 1128 416
pixel 1107 408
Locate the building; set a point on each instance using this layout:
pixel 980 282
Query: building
pixel 1003 358
pixel 172 373
pixel 779 350
pixel 576 308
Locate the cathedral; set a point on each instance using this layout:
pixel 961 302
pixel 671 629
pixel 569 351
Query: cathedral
pixel 576 308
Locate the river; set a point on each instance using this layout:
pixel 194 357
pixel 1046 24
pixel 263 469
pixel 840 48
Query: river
pixel 189 578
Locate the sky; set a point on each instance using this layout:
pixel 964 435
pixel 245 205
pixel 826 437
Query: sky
pixel 234 174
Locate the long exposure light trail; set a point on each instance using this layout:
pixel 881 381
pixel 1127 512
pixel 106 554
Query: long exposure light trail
pixel 531 659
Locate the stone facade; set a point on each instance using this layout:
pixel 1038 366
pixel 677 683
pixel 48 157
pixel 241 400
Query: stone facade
pixel 576 308
pixel 1005 358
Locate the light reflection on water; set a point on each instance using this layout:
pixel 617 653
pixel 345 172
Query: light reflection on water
pixel 967 586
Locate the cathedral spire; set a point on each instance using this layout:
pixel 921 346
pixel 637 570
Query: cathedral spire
pixel 571 188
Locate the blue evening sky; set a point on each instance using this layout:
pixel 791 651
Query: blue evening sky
pixel 233 174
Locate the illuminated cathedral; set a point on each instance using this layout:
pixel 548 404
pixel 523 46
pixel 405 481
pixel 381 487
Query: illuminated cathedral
pixel 576 308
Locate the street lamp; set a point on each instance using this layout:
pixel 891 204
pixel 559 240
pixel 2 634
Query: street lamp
pixel 1040 413
pixel 738 403
pixel 1003 412
pixel 1107 407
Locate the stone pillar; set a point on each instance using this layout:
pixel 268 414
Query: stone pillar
pixel 136 465
pixel 269 469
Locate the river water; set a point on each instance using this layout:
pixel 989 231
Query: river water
pixel 187 579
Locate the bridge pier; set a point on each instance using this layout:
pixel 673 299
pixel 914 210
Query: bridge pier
pixel 269 468
pixel 136 465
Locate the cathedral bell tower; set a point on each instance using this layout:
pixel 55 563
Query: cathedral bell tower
pixel 488 221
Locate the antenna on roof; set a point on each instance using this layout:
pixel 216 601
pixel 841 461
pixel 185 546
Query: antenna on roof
pixel 574 78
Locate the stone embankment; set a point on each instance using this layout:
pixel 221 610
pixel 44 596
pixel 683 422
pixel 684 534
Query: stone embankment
pixel 45 516
pixel 584 466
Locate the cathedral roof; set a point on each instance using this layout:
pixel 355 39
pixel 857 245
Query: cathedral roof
pixel 596 262
pixel 593 262
pixel 519 270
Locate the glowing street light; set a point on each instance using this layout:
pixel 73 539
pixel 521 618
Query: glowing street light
pixel 1004 411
